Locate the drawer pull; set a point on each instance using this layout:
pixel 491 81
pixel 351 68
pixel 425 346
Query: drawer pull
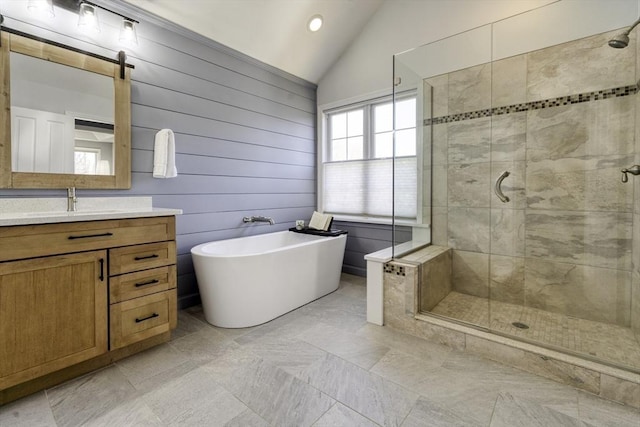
pixel 147 318
pixel 140 258
pixel 88 236
pixel 148 282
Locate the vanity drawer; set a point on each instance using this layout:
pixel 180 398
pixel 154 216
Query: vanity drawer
pixel 141 318
pixel 141 283
pixel 29 241
pixel 141 257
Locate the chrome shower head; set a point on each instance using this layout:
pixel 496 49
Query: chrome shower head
pixel 621 40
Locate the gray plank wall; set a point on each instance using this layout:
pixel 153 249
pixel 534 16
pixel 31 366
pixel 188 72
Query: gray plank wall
pixel 364 239
pixel 245 137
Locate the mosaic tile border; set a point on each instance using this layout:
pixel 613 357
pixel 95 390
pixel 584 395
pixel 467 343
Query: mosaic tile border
pixel 537 105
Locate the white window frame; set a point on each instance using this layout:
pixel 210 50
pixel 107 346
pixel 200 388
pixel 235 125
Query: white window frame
pixel 323 150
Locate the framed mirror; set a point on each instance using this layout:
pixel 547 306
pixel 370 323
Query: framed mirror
pixel 65 117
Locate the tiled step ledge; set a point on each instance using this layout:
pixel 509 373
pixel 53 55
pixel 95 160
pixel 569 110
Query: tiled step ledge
pixel 605 381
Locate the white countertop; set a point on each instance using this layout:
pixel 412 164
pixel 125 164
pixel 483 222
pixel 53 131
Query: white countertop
pixel 29 211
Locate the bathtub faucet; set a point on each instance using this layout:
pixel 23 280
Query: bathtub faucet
pixel 258 219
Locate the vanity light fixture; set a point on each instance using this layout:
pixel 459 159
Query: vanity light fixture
pixel 89 13
pixel 128 32
pixel 43 8
pixel 88 18
pixel 315 23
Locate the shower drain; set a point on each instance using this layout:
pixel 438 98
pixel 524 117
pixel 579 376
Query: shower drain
pixel 520 325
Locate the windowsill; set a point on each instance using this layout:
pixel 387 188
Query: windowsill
pixel 376 220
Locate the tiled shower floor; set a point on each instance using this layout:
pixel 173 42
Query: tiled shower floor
pixel 609 343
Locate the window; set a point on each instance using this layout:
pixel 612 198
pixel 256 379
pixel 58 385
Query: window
pixel 86 161
pixel 358 164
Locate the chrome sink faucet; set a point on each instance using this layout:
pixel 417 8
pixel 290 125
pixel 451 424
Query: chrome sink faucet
pixel 71 199
pixel 258 219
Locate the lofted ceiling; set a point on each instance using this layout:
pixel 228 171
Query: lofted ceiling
pixel 273 31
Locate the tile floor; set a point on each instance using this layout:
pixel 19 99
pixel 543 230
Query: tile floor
pixel 606 342
pixel 320 365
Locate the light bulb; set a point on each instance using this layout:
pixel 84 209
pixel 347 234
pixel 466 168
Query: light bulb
pixel 88 18
pixel 43 8
pixel 128 32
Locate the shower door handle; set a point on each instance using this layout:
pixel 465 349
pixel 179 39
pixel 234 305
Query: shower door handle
pixel 497 187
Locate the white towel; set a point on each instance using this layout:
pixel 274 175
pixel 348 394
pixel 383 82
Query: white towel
pixel 164 155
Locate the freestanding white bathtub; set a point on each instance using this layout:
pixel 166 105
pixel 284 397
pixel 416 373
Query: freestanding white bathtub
pixel 250 280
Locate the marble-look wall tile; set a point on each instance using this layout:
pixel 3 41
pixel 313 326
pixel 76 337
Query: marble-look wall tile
pixel 507 232
pixel 440 138
pixel 506 279
pixel 583 65
pixel 439 335
pixel 439 216
pixel 601 128
pixel 469 141
pixel 635 303
pixel 620 390
pixel 513 186
pixel 399 310
pixel 556 370
pixel 470 89
pixel 440 94
pixel 470 273
pixel 599 294
pixel 599 239
pixel 636 182
pixel 509 81
pixel 508 137
pixel 468 185
pixel 584 184
pixel 427 146
pixel 435 282
pixel 398 317
pixel 439 189
pixel 469 229
pixel 426 214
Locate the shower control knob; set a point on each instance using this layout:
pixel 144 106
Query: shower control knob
pixel 633 170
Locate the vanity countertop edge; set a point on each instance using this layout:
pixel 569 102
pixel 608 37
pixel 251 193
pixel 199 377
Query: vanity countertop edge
pixel 31 211
pixel 12 219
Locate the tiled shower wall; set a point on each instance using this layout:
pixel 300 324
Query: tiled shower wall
pixel 562 121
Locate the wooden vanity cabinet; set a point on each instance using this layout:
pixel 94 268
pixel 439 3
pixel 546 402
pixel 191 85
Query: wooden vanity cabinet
pixel 78 296
pixel 144 290
pixel 53 314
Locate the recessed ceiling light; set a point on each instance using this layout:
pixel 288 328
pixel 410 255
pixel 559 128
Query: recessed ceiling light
pixel 315 23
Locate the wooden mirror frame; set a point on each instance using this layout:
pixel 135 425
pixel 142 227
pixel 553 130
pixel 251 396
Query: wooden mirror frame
pixel 121 179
